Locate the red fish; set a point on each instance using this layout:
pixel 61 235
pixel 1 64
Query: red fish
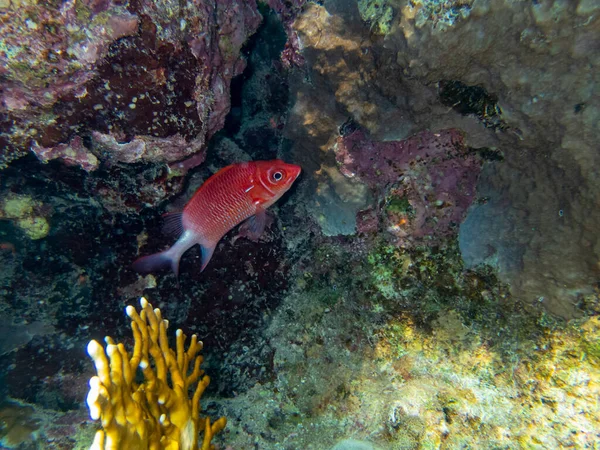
pixel 235 193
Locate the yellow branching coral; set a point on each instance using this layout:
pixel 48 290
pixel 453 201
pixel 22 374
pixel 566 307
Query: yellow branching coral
pixel 156 413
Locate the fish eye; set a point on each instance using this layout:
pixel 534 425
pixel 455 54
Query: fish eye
pixel 277 176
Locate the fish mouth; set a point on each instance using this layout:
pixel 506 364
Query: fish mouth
pixel 293 170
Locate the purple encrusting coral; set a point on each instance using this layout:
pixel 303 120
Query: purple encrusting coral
pixel 58 52
pixel 145 148
pixel 105 85
pixel 428 180
pixel 135 72
pixel 72 153
pixel 51 51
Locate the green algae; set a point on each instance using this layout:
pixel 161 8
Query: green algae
pixel 24 211
pixel 589 330
pixel 18 206
pixel 379 14
pixel 441 14
pixel 398 205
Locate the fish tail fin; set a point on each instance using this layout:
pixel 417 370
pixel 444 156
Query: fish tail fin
pixel 156 262
pixel 207 252
pixel 168 258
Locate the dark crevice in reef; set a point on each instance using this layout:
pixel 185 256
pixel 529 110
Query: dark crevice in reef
pixel 260 95
pixel 471 100
pixel 230 301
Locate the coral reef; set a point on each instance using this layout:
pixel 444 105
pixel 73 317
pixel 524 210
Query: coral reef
pixel 73 153
pixel 536 112
pixel 430 282
pixel 287 11
pixel 377 14
pixel 17 424
pixel 553 114
pixel 52 50
pixel 145 148
pixel 426 183
pixel 120 83
pixel 480 372
pixel 55 57
pixel 25 426
pixel 440 14
pixel 156 413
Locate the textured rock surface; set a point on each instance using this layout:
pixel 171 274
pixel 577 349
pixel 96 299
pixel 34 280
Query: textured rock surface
pixel 482 374
pixel 315 339
pixel 51 51
pixel 74 91
pixel 423 185
pixel 544 195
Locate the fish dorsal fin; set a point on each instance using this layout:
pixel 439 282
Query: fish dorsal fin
pixel 216 176
pixel 173 225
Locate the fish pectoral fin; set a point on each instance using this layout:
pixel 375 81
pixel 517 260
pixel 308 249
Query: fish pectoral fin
pixel 256 224
pixel 207 252
pixel 254 227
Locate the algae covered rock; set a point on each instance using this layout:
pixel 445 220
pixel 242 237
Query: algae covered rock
pixel 28 214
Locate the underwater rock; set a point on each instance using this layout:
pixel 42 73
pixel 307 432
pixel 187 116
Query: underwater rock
pixel 425 183
pixel 147 148
pixel 536 228
pixel 51 51
pixel 27 425
pixel 151 93
pixel 30 215
pixel 550 118
pixel 291 56
pixel 168 77
pixel 73 153
pixel 520 96
pixel 471 100
pixel 19 424
pixel 377 14
pixel 15 336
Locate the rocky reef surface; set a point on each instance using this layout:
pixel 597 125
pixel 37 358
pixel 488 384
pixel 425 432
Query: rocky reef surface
pixel 432 279
pixel 503 72
pixel 98 83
